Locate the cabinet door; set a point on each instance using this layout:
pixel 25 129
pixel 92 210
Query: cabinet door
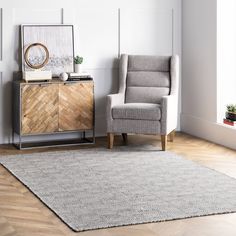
pixel 76 106
pixel 39 108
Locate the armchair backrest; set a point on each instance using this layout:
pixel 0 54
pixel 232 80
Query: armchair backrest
pixel 146 78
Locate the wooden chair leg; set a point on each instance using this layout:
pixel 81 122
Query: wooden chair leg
pixel 125 138
pixel 163 142
pixel 172 136
pixel 110 137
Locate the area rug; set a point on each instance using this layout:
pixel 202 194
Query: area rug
pixel 98 188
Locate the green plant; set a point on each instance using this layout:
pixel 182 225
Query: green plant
pixel 231 108
pixel 78 60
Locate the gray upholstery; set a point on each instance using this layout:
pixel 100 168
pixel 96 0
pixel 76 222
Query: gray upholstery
pixel 137 111
pixel 145 94
pixel 147 101
pixel 136 126
pixel 148 79
pixel 149 63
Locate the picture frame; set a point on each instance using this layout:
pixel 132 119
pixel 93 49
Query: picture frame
pixel 59 41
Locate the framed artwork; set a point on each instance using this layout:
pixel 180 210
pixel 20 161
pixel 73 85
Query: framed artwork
pixel 53 44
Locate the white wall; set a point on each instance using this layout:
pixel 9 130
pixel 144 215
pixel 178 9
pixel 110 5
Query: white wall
pixel 104 29
pixel 199 75
pixel 226 51
pixel 199 59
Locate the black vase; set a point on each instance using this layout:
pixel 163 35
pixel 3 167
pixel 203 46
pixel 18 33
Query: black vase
pixel 230 116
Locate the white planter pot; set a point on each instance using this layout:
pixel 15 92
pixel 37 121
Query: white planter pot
pixel 77 68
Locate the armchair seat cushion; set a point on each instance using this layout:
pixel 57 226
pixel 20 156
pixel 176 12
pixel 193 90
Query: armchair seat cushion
pixel 137 111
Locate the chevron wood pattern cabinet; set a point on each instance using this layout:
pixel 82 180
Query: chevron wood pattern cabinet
pixel 39 108
pixel 75 106
pixel 53 107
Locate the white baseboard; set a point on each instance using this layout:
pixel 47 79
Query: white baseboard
pixel 214 132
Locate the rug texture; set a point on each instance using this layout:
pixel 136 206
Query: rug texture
pixel 98 188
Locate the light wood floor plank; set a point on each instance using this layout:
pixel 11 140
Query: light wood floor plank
pixel 5 228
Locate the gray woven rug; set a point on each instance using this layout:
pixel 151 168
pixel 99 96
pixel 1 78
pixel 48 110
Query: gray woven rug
pixel 97 188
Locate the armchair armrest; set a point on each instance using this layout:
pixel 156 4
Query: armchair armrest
pixel 115 99
pixel 169 113
pixel 170 103
pixel 112 100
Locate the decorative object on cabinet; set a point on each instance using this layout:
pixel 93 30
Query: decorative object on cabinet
pixel 42 59
pixel 59 41
pixel 43 56
pixel 37 75
pixel 63 76
pixel 78 61
pixel 79 76
pixel 51 108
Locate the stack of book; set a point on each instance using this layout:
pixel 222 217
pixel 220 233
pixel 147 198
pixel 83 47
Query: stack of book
pixel 229 122
pixel 79 76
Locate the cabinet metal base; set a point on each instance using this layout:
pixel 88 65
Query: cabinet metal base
pixel 58 143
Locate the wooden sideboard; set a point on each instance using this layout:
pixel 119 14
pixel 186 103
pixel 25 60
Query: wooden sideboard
pixel 53 107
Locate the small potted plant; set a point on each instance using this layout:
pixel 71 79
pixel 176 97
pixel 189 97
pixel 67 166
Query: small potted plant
pixel 78 61
pixel 231 112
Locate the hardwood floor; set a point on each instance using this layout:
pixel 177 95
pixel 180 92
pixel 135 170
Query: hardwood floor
pixel 22 214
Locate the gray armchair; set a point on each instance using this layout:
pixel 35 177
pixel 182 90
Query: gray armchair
pixel 147 101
